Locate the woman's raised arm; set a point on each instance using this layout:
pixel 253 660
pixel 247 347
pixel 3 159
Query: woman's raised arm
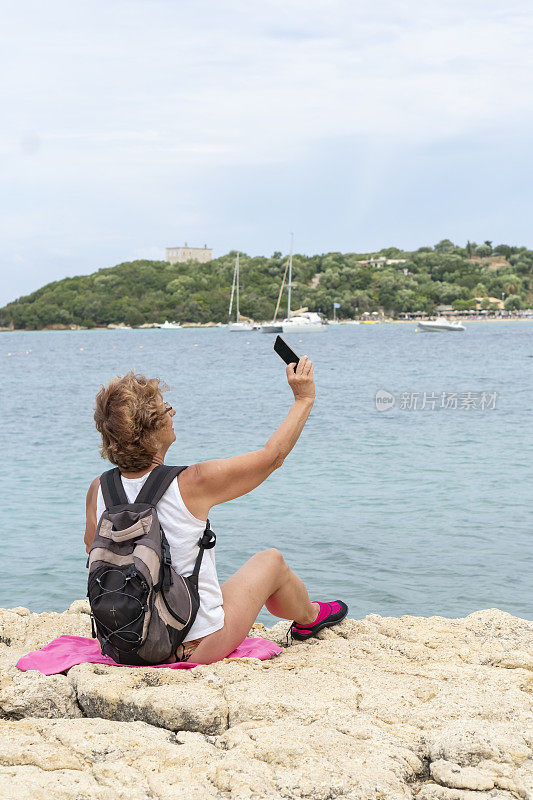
pixel 212 482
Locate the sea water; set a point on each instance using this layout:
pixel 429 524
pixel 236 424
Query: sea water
pixel 418 504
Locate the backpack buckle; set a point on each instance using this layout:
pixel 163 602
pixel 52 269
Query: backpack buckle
pixel 207 539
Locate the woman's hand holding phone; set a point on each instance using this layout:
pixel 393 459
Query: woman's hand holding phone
pixel 299 371
pixel 301 379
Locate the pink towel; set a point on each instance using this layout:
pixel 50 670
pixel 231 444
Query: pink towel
pixel 67 651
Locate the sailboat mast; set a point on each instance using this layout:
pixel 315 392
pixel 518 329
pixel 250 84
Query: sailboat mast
pixel 289 285
pixel 237 271
pixel 231 298
pixel 281 291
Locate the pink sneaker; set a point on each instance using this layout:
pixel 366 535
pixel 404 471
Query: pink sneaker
pixel 329 614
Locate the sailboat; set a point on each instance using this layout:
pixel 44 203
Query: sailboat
pixel 276 327
pixel 302 321
pixel 246 324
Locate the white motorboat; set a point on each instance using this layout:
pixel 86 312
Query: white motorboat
pixel 166 325
pixel 241 324
pixel 306 322
pixel 440 324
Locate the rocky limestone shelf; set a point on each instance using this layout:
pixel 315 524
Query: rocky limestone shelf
pixel 389 708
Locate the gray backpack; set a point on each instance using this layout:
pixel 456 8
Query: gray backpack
pixel 141 607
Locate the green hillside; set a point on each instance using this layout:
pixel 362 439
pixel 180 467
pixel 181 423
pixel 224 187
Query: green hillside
pixel 152 291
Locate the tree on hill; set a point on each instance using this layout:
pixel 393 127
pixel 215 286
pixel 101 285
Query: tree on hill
pixel 513 303
pixel 444 246
pixel 511 283
pixel 464 305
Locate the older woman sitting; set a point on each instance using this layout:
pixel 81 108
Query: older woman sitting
pixel 136 428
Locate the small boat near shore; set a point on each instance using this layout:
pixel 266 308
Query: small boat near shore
pixel 242 324
pixel 166 325
pixel 275 326
pixel 302 320
pixel 242 327
pixel 272 327
pixel 305 322
pixel 440 324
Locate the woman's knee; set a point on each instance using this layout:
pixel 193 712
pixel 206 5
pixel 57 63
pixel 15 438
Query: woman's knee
pixel 272 555
pixel 273 559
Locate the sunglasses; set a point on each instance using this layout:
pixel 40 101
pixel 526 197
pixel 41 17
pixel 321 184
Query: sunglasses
pixel 168 407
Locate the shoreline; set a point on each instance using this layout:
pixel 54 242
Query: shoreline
pixel 195 325
pixel 382 707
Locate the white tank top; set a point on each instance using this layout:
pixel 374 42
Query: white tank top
pixel 183 530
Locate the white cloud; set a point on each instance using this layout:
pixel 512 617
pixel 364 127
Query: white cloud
pixel 244 83
pixel 115 110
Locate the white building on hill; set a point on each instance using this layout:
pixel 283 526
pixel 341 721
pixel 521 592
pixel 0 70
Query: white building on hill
pixel 177 255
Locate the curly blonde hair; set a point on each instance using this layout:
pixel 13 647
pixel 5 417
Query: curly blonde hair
pixel 128 417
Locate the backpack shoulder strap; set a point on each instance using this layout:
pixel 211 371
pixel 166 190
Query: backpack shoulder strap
pixel 205 542
pixel 158 482
pixel 112 489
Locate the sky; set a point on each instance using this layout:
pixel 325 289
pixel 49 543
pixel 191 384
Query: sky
pixel 132 125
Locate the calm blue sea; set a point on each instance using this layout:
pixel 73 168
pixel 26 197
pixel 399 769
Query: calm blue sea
pixel 413 510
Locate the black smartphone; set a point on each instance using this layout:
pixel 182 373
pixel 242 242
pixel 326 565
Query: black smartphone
pixel 285 352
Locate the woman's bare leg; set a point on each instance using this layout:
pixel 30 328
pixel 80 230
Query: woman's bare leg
pixel 265 579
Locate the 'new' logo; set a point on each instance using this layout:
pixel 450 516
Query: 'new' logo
pixel 384 400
